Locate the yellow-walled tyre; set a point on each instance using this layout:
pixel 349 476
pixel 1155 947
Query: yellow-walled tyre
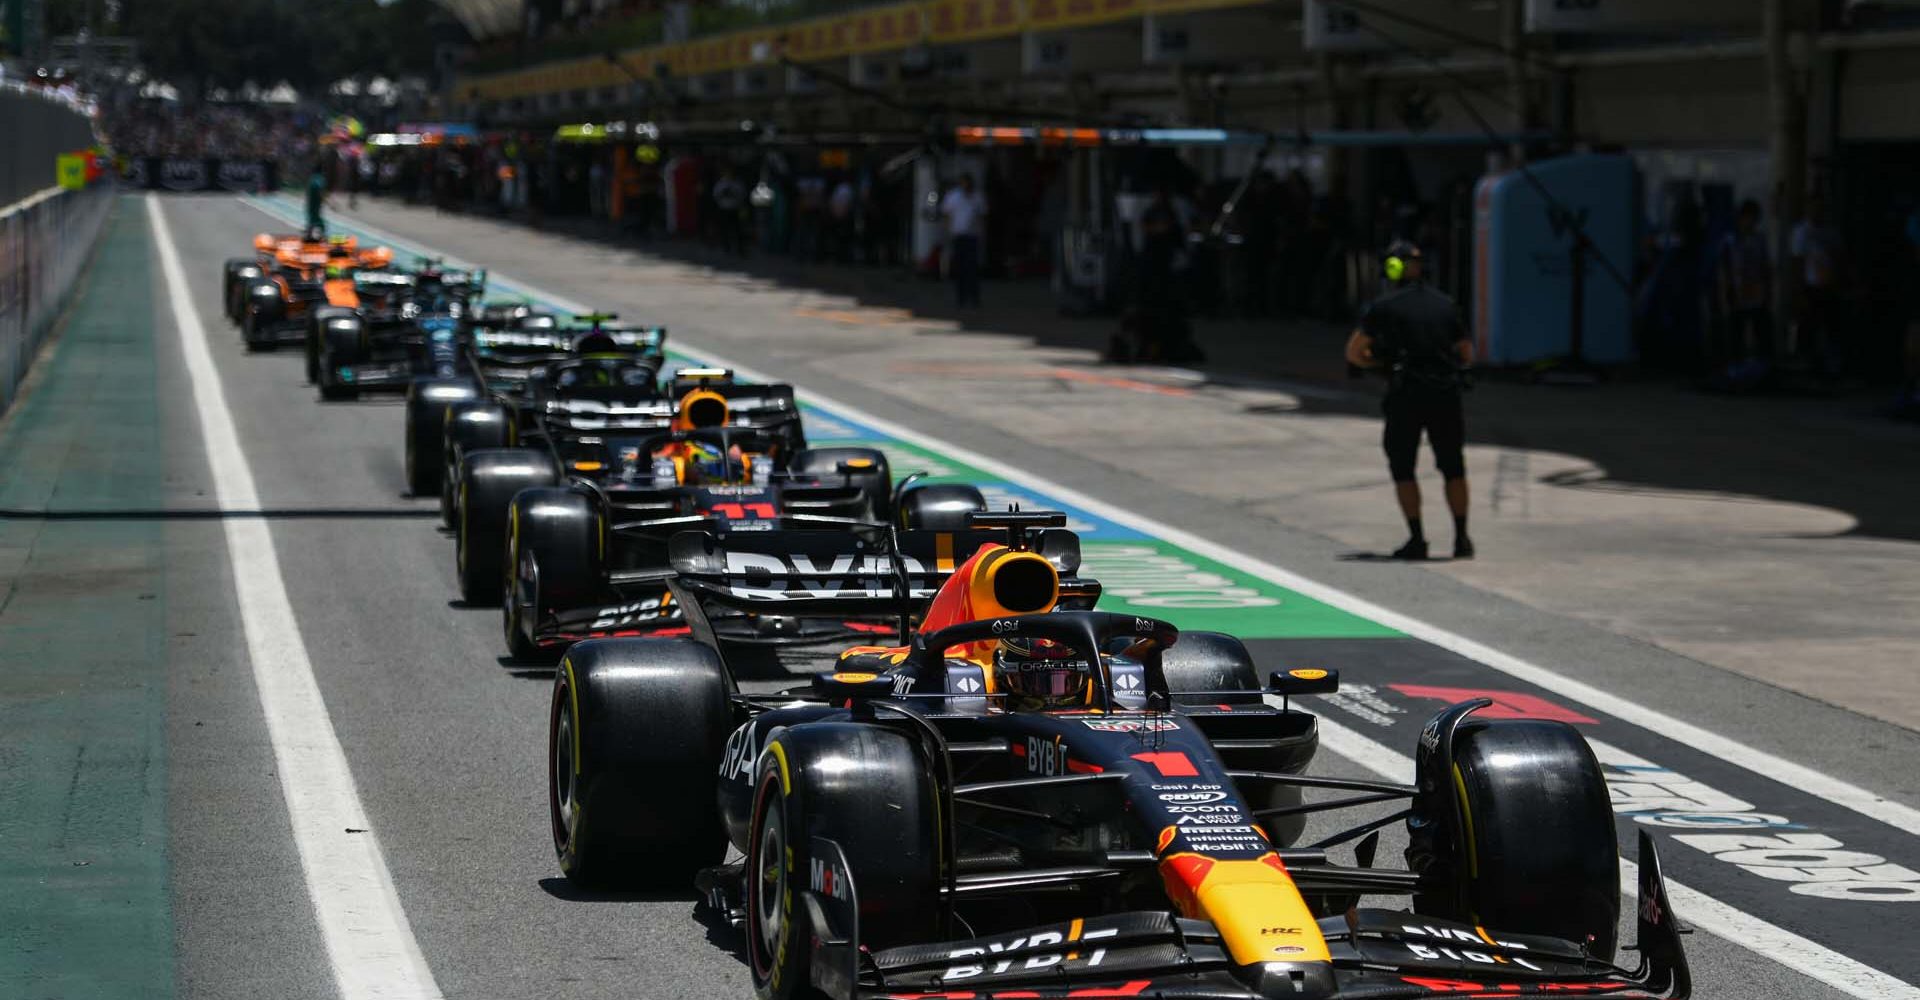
pixel 866 788
pixel 636 734
pixel 1538 854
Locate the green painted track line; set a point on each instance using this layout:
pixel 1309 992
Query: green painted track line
pixel 84 899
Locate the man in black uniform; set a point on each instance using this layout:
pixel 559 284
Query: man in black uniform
pixel 1413 333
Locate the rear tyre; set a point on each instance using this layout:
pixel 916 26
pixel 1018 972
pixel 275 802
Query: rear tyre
pixel 867 472
pixel 1210 662
pixel 488 481
pixel 939 506
pixel 1538 853
pixel 237 273
pixel 552 561
pixel 636 733
pixel 340 347
pixel 866 788
pixel 468 427
pixel 427 404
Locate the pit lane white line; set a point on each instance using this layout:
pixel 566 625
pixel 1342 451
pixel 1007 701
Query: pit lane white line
pixel 1741 928
pixel 368 940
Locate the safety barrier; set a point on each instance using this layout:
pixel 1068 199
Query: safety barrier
pixel 44 242
pixel 38 126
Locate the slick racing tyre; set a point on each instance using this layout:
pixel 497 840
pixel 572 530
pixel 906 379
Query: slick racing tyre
pixel 260 304
pixel 867 789
pixel 250 332
pixel 1208 663
pixel 468 427
pixel 343 343
pixel 553 562
pixel 238 273
pixel 866 470
pixel 939 506
pixel 488 481
pixel 1537 853
pixel 428 402
pixel 635 736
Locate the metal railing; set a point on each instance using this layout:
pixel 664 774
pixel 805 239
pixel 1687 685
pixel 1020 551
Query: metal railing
pixel 44 242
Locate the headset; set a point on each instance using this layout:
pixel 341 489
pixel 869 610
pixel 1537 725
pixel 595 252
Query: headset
pixel 1400 254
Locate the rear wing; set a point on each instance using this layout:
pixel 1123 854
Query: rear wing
pixel 651 340
pixel 769 408
pixel 858 572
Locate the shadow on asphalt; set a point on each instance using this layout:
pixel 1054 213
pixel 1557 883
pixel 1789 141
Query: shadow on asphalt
pixel 191 514
pixel 528 670
pixel 560 888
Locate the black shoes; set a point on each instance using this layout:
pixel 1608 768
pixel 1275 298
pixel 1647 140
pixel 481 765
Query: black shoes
pixel 1416 549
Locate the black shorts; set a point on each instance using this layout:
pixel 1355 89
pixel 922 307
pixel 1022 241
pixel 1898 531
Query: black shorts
pixel 1440 415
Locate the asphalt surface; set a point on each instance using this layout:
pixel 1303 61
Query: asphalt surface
pixel 446 739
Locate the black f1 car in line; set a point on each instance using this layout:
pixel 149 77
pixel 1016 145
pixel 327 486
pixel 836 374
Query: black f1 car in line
pixel 508 347
pixel 911 829
pixel 592 559
pixel 405 325
pixel 573 530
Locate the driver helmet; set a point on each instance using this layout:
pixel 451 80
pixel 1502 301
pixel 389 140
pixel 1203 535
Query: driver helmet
pixel 1040 674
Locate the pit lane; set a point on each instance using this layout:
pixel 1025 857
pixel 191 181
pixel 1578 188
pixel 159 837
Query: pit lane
pixel 445 740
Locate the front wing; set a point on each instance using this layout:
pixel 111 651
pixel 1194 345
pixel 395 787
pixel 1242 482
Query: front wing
pixel 1375 955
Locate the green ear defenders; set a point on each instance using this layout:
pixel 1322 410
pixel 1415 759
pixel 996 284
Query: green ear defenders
pixel 1401 254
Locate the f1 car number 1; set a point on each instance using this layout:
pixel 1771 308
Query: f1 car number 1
pixel 1816 864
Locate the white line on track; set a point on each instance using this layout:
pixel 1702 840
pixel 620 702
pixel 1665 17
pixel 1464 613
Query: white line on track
pixel 369 943
pixel 1734 925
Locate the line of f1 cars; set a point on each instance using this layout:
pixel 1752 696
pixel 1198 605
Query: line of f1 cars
pixel 998 790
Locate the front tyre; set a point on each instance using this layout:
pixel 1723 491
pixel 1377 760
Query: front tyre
pixel 636 735
pixel 1538 853
pixel 867 789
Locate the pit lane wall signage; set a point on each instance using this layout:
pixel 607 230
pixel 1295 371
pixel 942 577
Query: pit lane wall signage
pixel 191 173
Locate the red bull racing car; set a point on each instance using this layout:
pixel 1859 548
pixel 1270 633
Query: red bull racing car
pixel 1016 800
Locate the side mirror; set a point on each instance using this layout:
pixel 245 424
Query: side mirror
pixel 1302 680
pixel 843 686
